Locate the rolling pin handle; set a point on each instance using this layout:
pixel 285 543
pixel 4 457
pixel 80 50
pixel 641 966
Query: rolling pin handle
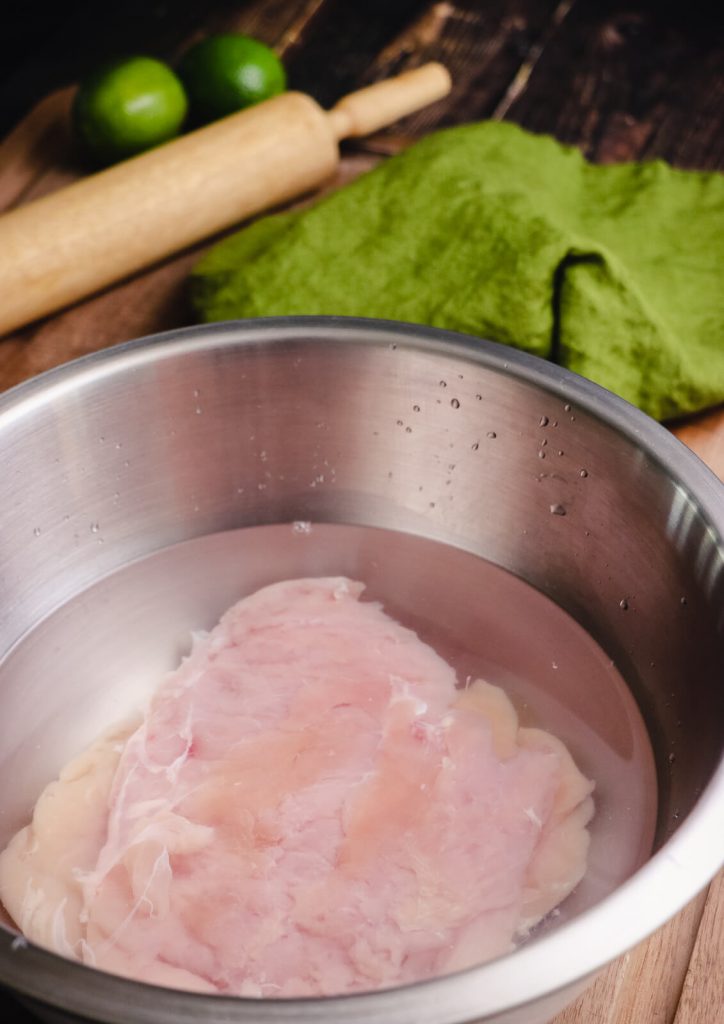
pixel 381 104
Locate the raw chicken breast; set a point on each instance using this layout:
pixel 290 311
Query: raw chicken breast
pixel 309 807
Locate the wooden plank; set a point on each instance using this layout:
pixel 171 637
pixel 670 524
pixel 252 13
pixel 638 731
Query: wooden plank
pixel 341 43
pixel 702 998
pixel 705 436
pixel 644 985
pixel 278 23
pixel 630 79
pixel 483 45
pixel 40 141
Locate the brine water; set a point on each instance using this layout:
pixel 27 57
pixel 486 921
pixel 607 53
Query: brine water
pixel 98 657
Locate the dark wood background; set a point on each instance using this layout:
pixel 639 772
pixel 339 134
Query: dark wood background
pixel 622 79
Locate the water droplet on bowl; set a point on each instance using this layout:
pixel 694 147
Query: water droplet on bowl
pixel 623 604
pixel 399 423
pixel 454 402
pixel 491 434
pixel 301 526
pixel 541 455
pixel 475 445
pixel 543 421
pixel 443 383
pixel 95 527
pixel 583 473
pixel 36 531
pixel 567 407
pixel 557 510
pixel 478 398
pixel 408 430
pixel 416 408
pixel 682 601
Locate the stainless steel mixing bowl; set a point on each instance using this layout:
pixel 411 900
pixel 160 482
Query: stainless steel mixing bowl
pixel 116 456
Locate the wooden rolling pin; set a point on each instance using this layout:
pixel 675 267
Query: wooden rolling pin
pixel 104 227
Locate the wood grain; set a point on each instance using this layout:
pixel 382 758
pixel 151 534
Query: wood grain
pixel 702 999
pixel 624 993
pixel 484 46
pixel 705 436
pixel 40 141
pixel 343 40
pixel 628 80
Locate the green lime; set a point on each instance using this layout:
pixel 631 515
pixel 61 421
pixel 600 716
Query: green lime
pixel 228 72
pixel 128 106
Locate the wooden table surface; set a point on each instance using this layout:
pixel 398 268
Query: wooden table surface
pixel 621 80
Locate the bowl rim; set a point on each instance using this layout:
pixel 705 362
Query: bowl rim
pixel 615 411
pixel 654 893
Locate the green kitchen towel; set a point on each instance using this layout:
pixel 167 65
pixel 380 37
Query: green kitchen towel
pixel 616 272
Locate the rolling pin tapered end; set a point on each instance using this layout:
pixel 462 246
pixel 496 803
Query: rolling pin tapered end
pixel 383 103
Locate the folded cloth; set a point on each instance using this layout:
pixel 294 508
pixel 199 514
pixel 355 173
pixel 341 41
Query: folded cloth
pixel 615 272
